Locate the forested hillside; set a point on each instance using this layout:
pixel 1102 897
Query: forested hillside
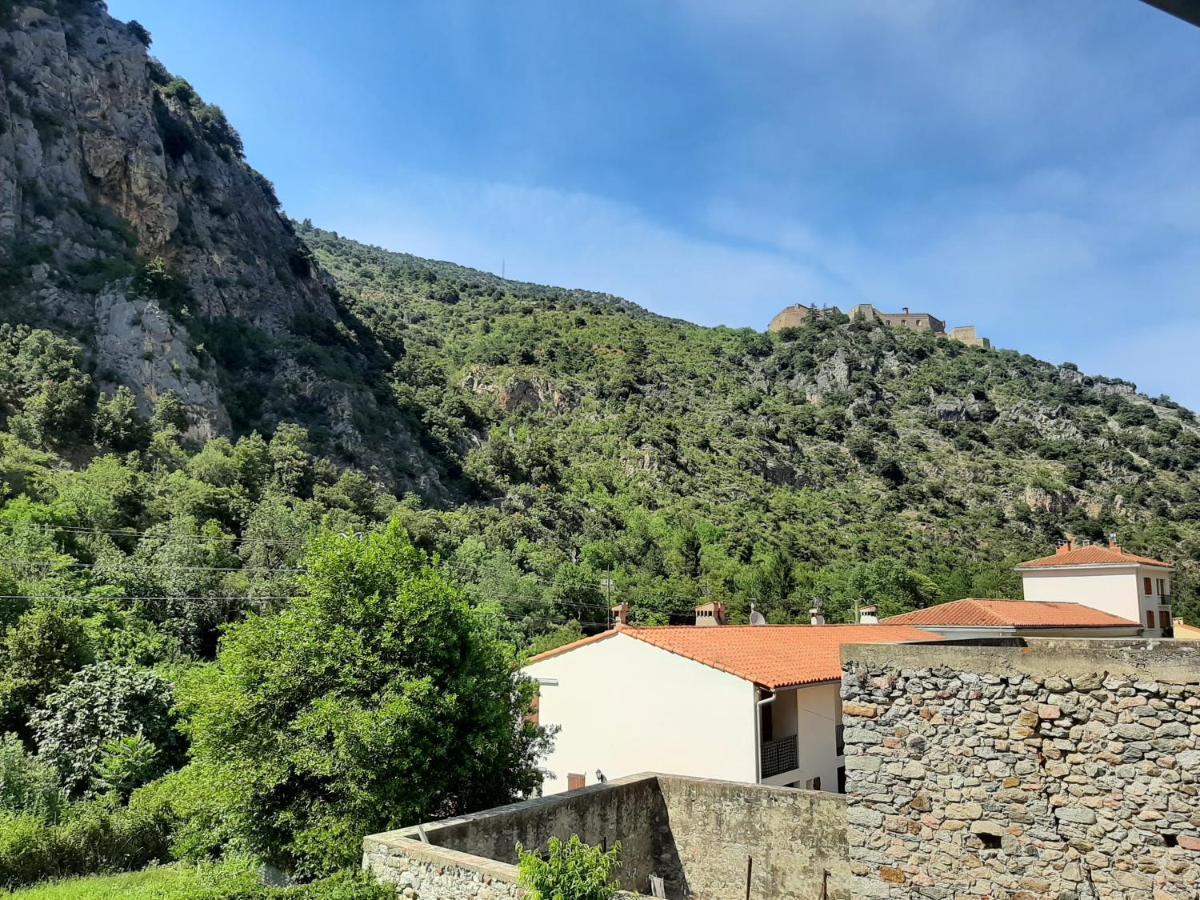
pixel 831 462
pixel 279 511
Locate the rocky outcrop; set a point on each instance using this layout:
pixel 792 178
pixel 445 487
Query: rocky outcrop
pixel 531 392
pixel 138 344
pixel 108 163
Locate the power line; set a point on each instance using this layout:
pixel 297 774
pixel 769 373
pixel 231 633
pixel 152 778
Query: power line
pixel 134 533
pixel 146 566
pixel 93 598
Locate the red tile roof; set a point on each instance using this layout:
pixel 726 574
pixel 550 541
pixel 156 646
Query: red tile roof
pixel 1092 555
pixel 1011 614
pixel 774 656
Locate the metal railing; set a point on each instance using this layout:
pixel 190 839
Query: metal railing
pixel 780 755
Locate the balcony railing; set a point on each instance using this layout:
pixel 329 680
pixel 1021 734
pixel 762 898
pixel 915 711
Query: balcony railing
pixel 780 755
pixel 1165 600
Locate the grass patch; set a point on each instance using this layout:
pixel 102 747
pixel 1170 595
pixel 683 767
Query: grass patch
pixel 234 880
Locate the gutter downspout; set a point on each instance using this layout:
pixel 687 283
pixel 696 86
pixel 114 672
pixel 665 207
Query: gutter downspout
pixel 758 706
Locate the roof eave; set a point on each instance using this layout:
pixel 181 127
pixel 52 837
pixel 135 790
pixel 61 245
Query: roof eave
pixel 1052 567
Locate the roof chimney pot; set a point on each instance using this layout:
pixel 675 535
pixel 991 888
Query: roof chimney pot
pixel 710 614
pixel 868 615
pixel 815 616
pixel 620 614
pixel 1064 547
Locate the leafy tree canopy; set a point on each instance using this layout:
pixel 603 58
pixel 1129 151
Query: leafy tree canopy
pixel 378 697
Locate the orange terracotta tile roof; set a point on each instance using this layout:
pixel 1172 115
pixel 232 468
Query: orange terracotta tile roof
pixel 773 656
pixel 1011 614
pixel 1093 555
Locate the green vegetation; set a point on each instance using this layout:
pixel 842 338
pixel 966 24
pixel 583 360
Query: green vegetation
pixel 236 879
pixel 227 647
pixel 836 462
pixel 396 697
pixel 569 871
pixel 267 644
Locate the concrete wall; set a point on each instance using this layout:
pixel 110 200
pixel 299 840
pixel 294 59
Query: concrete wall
pixel 629 810
pixel 701 836
pixel 1114 590
pixel 1058 769
pixel 624 706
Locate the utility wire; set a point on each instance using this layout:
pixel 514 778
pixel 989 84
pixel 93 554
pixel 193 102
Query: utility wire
pixel 133 533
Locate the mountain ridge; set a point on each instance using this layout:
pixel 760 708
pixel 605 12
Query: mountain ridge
pixel 563 427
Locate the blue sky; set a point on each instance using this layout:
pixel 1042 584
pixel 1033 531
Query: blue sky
pixel 1031 168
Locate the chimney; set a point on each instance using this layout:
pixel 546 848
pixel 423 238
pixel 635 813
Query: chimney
pixel 815 616
pixel 868 615
pixel 1112 543
pixel 709 614
pixel 905 308
pixel 620 614
pixel 1064 547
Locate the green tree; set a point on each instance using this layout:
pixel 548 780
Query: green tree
pixel 42 651
pixel 569 871
pixel 378 697
pixel 169 412
pixel 118 424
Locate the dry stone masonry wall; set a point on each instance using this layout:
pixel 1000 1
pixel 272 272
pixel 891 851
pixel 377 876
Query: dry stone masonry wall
pixel 1065 769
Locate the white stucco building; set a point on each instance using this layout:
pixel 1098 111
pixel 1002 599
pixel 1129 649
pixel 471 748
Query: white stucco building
pixel 1105 578
pixel 755 703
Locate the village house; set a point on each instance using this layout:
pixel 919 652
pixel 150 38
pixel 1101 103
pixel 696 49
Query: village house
pixel 1106 578
pixel 750 703
pixel 970 619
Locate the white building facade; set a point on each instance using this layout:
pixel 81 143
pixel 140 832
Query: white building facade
pixel 635 700
pixel 1105 578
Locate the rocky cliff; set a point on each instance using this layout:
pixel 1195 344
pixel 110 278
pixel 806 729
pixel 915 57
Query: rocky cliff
pixel 130 220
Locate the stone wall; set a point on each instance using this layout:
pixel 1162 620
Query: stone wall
pixel 792 843
pixel 422 870
pixel 1067 769
pixel 700 836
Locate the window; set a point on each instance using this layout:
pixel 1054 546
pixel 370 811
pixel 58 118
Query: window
pixel 1149 618
pixel 575 781
pixel 813 784
pixel 768 724
pixel 841 779
pixel 841 740
pixel 1162 588
pixel 1146 585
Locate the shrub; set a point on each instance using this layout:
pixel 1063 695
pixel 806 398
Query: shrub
pixel 94 839
pixel 156 280
pixel 138 30
pixel 570 871
pixel 28 786
pixel 101 703
pixel 126 764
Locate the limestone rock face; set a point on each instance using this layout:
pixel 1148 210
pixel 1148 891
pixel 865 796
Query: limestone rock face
pixel 107 162
pixel 139 345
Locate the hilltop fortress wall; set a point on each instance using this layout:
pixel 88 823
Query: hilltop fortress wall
pixel 799 314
